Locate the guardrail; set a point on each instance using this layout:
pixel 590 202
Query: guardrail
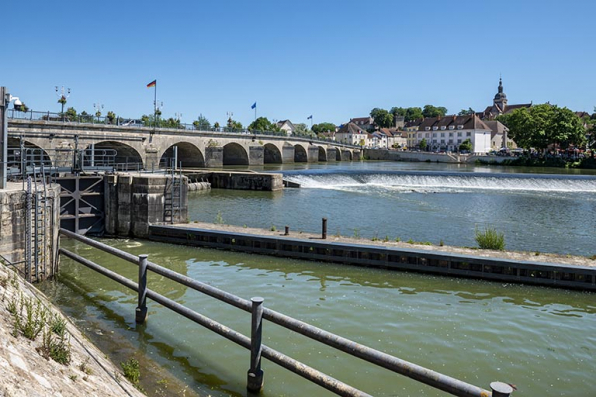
pixel 173 125
pixel 258 350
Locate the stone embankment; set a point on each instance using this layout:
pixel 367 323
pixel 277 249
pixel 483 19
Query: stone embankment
pixel 25 370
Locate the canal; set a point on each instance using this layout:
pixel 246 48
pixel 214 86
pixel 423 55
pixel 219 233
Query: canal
pixel 540 339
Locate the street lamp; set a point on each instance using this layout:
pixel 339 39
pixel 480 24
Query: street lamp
pixel 62 97
pixel 98 106
pixel 230 120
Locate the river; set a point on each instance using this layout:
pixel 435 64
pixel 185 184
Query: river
pixel 540 339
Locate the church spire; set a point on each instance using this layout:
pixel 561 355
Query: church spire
pixel 500 85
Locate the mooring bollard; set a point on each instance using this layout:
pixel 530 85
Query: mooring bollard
pixel 255 374
pixel 141 311
pixel 324 232
pixel 501 389
pixel 287 233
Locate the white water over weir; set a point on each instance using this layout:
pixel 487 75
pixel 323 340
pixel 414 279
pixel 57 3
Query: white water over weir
pixel 446 182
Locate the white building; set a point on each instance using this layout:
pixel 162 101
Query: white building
pixel 447 133
pixel 287 126
pixel 352 134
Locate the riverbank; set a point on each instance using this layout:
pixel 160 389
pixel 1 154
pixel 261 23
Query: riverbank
pixel 25 370
pixel 512 255
pixel 555 162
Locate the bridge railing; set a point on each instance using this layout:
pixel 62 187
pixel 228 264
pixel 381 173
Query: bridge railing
pixel 168 124
pixel 259 312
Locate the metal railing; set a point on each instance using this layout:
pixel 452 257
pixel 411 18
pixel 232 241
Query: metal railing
pixel 163 125
pixel 255 306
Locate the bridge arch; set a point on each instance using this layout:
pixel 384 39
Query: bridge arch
pixel 338 156
pixel 322 154
pixel 272 154
pixel 127 157
pixel 33 154
pixel 300 154
pixel 234 154
pixel 188 155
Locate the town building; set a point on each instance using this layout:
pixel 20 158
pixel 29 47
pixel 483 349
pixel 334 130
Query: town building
pixel 395 137
pixel 352 134
pixel 364 123
pixel 500 105
pixel 498 135
pixel 411 130
pixel 448 132
pixel 287 126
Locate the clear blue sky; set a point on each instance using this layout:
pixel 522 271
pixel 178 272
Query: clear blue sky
pixel 332 59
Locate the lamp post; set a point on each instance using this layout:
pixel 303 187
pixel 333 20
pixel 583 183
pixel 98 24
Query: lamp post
pixel 178 116
pixel 230 120
pixel 98 106
pixel 62 97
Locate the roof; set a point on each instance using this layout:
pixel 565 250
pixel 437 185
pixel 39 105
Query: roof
pixel 496 127
pixel 362 120
pixel 469 122
pixel 350 128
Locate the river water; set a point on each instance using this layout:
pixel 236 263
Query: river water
pixel 541 339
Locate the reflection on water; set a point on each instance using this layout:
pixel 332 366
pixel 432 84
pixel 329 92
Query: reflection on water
pixel 473 330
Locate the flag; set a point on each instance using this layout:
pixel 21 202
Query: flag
pixel 254 105
pixel 309 117
pixel 152 84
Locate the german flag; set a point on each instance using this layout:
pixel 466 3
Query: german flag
pixel 152 84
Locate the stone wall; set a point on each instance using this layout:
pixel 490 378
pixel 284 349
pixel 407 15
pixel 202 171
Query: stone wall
pixel 245 181
pixel 135 201
pixel 13 230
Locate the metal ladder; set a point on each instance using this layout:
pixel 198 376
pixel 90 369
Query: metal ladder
pixel 173 196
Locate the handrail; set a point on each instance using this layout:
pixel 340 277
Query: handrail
pixel 394 364
pixel 60 118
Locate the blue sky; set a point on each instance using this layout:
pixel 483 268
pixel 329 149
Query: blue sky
pixel 332 59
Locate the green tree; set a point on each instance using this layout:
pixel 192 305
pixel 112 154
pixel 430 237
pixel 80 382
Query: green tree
pixel 323 127
pixel 71 114
pixel 201 123
pixel 398 112
pixel 433 111
pixel 301 129
pixel 383 119
pixel 543 125
pixel 466 145
pixel 414 113
pixel 422 144
pixel 465 112
pixel 262 124
pixel 111 117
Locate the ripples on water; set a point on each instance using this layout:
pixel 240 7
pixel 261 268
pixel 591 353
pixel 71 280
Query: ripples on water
pixel 540 339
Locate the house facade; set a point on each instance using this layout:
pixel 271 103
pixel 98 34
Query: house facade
pixel 352 134
pixel 447 133
pixel 364 123
pixel 287 126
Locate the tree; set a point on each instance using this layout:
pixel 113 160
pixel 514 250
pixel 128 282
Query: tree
pixel 414 113
pixel 234 125
pixel 422 145
pixel 323 127
pixel 398 112
pixel 111 117
pixel 466 145
pixel 71 114
pixel 383 119
pixel 465 112
pixel 433 111
pixel 262 124
pixel 544 125
pixel 301 129
pixel 201 123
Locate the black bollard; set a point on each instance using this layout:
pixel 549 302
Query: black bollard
pixel 324 232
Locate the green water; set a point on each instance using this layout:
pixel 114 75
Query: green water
pixel 543 340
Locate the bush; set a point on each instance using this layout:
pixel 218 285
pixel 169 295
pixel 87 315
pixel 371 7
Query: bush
pixel 490 239
pixel 132 371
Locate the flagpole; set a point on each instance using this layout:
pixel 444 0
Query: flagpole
pixel 255 112
pixel 155 107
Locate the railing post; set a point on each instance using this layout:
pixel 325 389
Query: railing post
pixel 141 311
pixel 255 373
pixel 501 389
pixel 287 231
pixel 324 232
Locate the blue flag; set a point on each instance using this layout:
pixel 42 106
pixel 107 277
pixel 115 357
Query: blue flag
pixel 254 105
pixel 309 117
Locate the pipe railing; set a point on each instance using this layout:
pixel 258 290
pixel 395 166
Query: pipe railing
pixel 394 364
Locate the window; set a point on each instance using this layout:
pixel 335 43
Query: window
pixel 451 127
pixel 442 135
pixel 427 128
pixel 450 134
pixel 435 128
pixel 442 141
pixel 468 133
pixel 459 141
pixel 443 127
pixel 459 134
pixel 427 134
pixel 460 127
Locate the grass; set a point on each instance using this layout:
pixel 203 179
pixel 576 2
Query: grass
pixel 219 218
pixel 490 239
pixel 131 371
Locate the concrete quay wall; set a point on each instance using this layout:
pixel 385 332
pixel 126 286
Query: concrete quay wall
pixel 239 180
pixel 448 264
pixel 133 202
pixel 14 225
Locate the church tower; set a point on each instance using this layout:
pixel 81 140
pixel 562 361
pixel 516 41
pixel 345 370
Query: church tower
pixel 500 101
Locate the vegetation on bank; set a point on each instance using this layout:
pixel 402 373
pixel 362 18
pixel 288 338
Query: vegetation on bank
pixel 556 162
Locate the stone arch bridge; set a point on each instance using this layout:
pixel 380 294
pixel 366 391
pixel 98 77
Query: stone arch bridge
pixel 146 147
